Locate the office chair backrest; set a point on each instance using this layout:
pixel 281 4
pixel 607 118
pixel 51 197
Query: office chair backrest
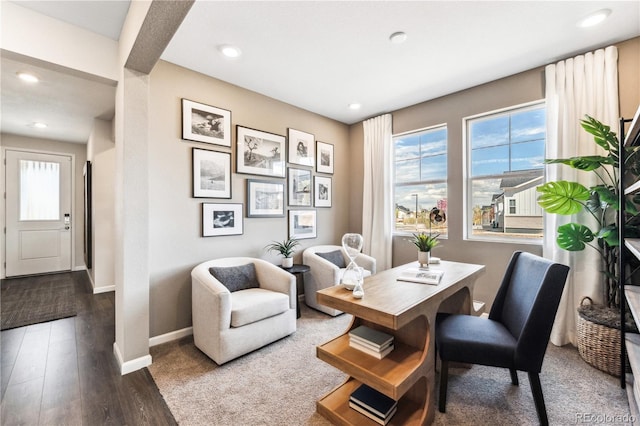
pixel 526 305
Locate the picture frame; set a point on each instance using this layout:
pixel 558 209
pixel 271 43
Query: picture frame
pixel 324 157
pixel 322 191
pixel 211 174
pixel 265 198
pixel 222 219
pixel 302 224
pixel 299 187
pixel 301 147
pixel 206 123
pixel 259 153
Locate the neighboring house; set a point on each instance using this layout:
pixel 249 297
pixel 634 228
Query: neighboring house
pixel 516 209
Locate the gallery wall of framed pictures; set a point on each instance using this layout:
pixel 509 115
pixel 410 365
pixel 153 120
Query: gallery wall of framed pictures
pixel 293 173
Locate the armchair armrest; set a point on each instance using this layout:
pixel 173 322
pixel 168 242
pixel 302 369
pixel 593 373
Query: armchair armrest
pixel 274 278
pixel 211 301
pixel 367 262
pixel 323 271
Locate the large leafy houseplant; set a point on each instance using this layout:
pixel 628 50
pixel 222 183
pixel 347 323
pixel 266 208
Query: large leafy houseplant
pixel 601 201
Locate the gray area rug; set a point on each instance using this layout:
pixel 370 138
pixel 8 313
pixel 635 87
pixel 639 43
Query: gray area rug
pixel 280 384
pixel 32 300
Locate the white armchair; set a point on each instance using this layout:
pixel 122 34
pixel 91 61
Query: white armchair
pixel 325 274
pixel 228 324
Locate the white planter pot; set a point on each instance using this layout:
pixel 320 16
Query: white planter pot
pixel 287 262
pixel 423 258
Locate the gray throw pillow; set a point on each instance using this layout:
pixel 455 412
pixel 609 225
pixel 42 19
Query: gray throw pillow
pixel 334 257
pixel 236 277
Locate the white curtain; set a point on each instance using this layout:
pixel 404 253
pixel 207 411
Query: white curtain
pixel 376 199
pixel 39 190
pixel 584 85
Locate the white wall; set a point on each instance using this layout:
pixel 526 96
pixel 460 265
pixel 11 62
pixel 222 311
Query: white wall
pixel 101 153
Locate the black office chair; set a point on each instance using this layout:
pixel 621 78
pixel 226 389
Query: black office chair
pixel 517 332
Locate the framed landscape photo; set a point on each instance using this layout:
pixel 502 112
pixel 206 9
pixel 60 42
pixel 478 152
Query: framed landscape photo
pixel 221 219
pixel 260 153
pixel 205 123
pixel 322 191
pixel 302 224
pixel 301 149
pixel 211 174
pixel 265 198
pixel 299 184
pixel 324 157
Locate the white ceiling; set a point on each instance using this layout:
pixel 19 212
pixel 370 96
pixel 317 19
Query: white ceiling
pixel 324 55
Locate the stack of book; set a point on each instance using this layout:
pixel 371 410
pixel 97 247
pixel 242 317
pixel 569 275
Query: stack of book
pixel 373 404
pixel 370 341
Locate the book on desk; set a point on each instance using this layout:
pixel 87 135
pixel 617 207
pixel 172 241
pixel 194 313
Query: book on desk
pixel 421 275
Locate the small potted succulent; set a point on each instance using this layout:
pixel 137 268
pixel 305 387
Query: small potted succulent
pixel 424 242
pixel 286 249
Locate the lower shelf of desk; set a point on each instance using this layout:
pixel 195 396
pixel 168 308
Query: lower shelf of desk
pixel 335 407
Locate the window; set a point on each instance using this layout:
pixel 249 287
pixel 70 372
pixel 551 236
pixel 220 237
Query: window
pixel 506 164
pixel 420 180
pixel 39 190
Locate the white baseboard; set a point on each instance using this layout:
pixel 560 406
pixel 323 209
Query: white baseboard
pixel 169 337
pixel 133 365
pixel 79 268
pixel 104 289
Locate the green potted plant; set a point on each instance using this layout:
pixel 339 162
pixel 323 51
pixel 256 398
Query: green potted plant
pixel 286 249
pixel 601 202
pixel 424 242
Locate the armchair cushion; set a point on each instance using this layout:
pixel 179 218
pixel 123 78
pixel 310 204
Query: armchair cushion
pixel 256 304
pixel 236 278
pixel 334 257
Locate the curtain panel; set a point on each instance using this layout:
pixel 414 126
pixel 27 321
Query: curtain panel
pixel 376 199
pixel 584 85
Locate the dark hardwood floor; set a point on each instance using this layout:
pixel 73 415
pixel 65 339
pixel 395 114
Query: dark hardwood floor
pixel 64 371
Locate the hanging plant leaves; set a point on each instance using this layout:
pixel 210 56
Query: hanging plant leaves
pixel 562 197
pixel 573 237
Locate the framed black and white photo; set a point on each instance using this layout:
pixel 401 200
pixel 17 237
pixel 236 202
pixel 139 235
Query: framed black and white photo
pixel 299 184
pixel 221 219
pixel 265 198
pixel 324 157
pixel 205 123
pixel 301 148
pixel 260 153
pixel 211 174
pixel 322 191
pixel 302 224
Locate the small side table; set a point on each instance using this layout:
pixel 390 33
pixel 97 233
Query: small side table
pixel 298 271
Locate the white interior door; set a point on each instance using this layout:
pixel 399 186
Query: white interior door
pixel 38 204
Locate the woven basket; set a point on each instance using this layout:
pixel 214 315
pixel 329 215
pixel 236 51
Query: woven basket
pixel 599 345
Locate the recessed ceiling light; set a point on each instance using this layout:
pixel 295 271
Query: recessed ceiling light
pixel 398 37
pixel 29 78
pixel 594 18
pixel 39 125
pixel 354 106
pixel 229 51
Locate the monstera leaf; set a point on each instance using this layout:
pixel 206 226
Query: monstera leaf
pixel 563 197
pixel 573 237
pixel 610 235
pixel 586 163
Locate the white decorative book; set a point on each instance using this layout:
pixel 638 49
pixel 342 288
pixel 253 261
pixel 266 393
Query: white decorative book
pixel 421 275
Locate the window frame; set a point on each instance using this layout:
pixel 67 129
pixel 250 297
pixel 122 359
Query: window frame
pixel 468 179
pixel 435 127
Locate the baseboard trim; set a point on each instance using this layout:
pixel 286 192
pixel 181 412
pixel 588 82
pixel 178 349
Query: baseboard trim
pixel 79 268
pixel 133 365
pixel 169 337
pixel 104 289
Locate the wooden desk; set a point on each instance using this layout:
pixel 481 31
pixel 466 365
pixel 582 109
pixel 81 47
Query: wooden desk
pixel 408 311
